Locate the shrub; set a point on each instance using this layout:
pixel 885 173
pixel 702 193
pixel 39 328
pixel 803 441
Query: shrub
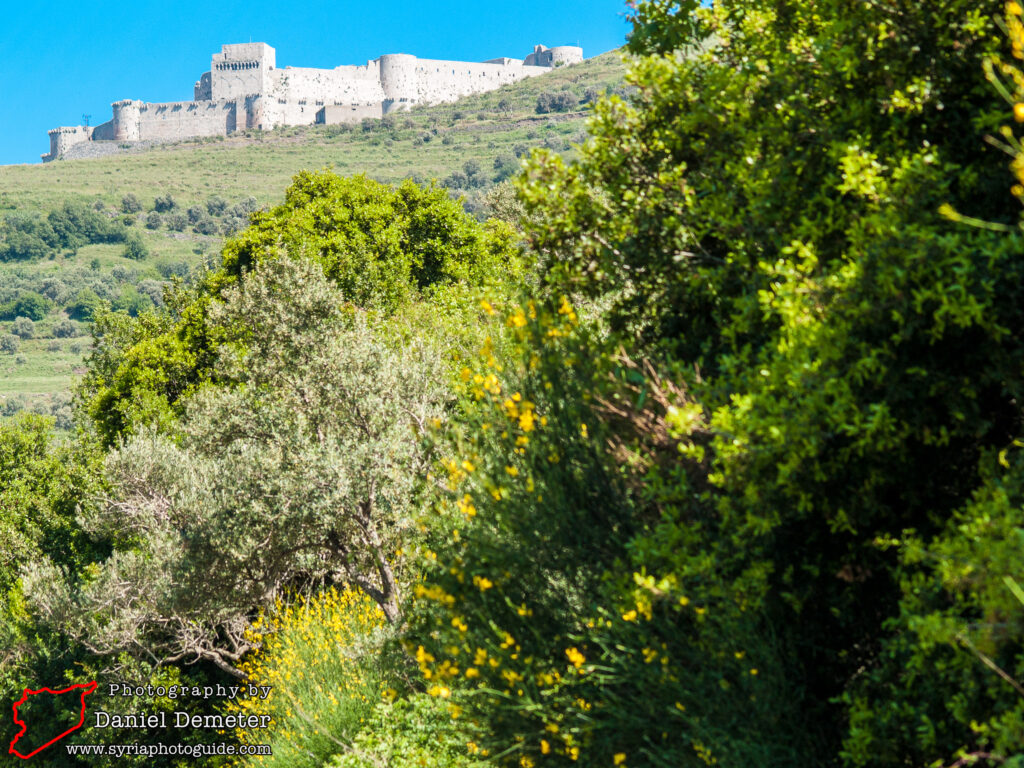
pixel 66 329
pixel 195 213
pixel 153 221
pixel 134 248
pixel 23 328
pixel 216 205
pixel 164 204
pixel 319 656
pixel 27 304
pixel 169 269
pixel 130 300
pixel 505 166
pixel 561 101
pixel 130 204
pixel 206 225
pixel 457 180
pixel 176 222
pixel 420 731
pixel 84 305
pixel 9 343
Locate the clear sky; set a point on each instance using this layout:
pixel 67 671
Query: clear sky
pixel 61 60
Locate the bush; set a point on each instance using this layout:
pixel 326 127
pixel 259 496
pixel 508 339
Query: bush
pixel 27 304
pixel 420 731
pixel 135 248
pixel 9 343
pixel 216 205
pixel 319 657
pixel 768 571
pixel 154 220
pixel 66 329
pixel 457 180
pixel 130 300
pixel 195 213
pixel 505 166
pixel 84 305
pixel 23 328
pixel 176 222
pixel 409 239
pixel 164 204
pixel 561 101
pixel 130 204
pixel 206 225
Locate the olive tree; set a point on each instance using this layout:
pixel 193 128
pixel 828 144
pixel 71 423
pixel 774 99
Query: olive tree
pixel 302 465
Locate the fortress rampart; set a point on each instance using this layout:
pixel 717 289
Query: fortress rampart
pixel 245 89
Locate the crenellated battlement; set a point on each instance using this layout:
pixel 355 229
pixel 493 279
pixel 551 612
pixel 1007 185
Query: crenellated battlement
pixel 244 89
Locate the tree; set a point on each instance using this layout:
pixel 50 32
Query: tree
pixel 83 305
pixel 27 304
pixel 303 465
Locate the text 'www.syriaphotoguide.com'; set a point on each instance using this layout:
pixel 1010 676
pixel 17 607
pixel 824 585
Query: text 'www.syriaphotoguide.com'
pixel 155 750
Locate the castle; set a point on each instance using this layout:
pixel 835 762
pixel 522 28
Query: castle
pixel 245 89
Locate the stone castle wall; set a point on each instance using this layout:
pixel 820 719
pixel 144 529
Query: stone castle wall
pixel 244 89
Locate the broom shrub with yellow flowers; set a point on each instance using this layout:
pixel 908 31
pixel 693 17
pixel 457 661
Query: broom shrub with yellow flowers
pixel 321 655
pixel 530 617
pixel 767 510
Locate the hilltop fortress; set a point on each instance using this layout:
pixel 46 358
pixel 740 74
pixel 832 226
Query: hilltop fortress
pixel 244 89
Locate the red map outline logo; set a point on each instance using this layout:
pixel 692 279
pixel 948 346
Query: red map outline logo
pixel 86 688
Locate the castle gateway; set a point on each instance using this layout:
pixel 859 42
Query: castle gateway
pixel 245 89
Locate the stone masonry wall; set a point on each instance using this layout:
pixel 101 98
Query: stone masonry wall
pixel 177 120
pixel 443 81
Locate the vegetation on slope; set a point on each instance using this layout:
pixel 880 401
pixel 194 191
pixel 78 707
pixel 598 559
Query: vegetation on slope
pixel 181 200
pixel 723 468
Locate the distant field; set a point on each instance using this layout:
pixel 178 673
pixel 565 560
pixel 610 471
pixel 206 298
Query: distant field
pixel 489 131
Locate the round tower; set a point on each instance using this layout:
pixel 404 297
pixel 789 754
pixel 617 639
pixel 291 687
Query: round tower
pixel 399 80
pixel 563 55
pixel 127 120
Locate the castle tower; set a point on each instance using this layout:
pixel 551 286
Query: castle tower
pixel 565 55
pixel 127 120
pixel 400 81
pixel 241 70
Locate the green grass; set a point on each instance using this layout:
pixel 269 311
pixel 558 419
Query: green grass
pixel 261 165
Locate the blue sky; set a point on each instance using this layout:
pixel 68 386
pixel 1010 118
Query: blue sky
pixel 61 59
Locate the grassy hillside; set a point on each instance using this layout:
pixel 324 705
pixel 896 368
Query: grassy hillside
pixel 468 145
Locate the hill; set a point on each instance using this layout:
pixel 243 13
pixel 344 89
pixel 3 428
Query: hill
pixel 180 200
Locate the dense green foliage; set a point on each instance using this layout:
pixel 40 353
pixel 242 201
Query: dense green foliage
pixel 725 469
pixel 382 246
pixel 825 363
pixel 24 237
